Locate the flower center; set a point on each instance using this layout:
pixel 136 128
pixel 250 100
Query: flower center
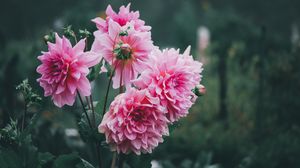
pixel 59 69
pixel 123 51
pixel 137 115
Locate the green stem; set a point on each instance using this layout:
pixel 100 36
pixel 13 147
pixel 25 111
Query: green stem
pixel 94 125
pixel 87 100
pixel 113 162
pixel 107 91
pixel 84 110
pixel 98 154
pixel 93 111
pixel 24 116
pixel 120 161
pixel 121 79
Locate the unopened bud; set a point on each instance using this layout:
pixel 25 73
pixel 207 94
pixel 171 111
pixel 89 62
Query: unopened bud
pixel 125 49
pixel 68 32
pixel 199 90
pixel 84 33
pixel 49 38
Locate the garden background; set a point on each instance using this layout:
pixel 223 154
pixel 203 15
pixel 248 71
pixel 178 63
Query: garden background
pixel 250 114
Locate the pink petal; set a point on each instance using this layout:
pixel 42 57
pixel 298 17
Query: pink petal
pixel 79 47
pixel 84 86
pixel 90 59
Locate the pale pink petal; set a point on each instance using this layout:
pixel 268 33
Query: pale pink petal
pixel 79 47
pixel 84 86
pixel 90 59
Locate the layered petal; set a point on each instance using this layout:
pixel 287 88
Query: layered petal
pixel 171 77
pixel 135 123
pixel 64 69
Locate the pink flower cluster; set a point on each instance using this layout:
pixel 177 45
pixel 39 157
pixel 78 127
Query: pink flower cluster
pixel 125 43
pixel 159 84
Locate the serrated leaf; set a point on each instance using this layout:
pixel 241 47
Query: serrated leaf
pixel 83 128
pixel 89 134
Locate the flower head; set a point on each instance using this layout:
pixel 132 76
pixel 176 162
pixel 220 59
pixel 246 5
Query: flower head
pixel 171 77
pixel 64 69
pixel 125 49
pixel 135 122
pixel 122 18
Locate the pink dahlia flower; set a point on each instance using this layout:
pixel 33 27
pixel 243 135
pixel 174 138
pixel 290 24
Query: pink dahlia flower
pixel 122 18
pixel 135 122
pixel 171 77
pixel 64 69
pixel 125 49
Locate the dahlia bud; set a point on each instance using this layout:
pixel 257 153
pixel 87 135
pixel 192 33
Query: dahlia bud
pixel 49 37
pixel 84 33
pixel 68 32
pixel 123 33
pixel 199 90
pixel 123 51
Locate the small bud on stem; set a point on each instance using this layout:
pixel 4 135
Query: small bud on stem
pixel 199 90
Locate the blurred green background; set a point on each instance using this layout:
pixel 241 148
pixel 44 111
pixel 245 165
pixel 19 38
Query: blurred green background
pixel 250 115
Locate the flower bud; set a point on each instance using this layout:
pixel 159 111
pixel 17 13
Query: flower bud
pixel 199 90
pixel 49 37
pixel 84 33
pixel 123 51
pixel 68 32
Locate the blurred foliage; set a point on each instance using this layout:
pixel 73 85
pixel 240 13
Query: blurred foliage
pixel 261 128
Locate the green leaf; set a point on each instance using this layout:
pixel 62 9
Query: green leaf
pixel 45 158
pixel 9 158
pixel 173 126
pixel 84 164
pixel 84 129
pixel 29 95
pixel 71 161
pixel 109 70
pixel 99 109
pixel 66 161
pixel 133 160
pixel 94 72
pixel 89 134
pixel 84 33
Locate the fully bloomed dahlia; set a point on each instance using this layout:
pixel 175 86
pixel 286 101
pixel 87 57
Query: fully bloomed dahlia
pixel 64 69
pixel 171 77
pixel 125 49
pixel 122 18
pixel 135 122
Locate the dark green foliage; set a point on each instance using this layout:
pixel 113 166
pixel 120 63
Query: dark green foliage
pixel 84 33
pixel 29 96
pixel 94 72
pixel 261 127
pixel 88 134
pixel 71 161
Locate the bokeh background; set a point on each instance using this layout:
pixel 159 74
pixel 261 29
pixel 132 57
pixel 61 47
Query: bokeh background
pixel 250 115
